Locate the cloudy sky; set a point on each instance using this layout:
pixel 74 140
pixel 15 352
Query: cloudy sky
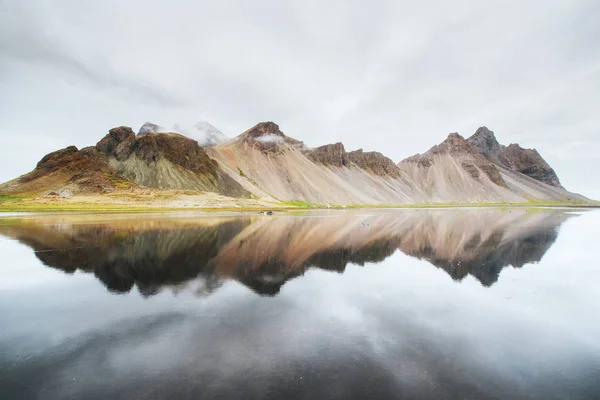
pixel 391 76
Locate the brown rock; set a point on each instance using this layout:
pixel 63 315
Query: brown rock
pixel 525 161
pixel 68 160
pixel 330 154
pixel 118 143
pixel 486 143
pixel 185 153
pixel 146 148
pixel 530 163
pixel 375 162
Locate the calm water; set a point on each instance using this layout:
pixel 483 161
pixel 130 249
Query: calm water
pixel 433 304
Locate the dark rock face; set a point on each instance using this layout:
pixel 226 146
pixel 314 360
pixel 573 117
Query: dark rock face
pixel 526 161
pixel 121 143
pixel 375 162
pixel 330 154
pixel 118 143
pixel 185 153
pixel 57 158
pixel 372 161
pixel 470 167
pixel 146 148
pixel 69 160
pixel 530 163
pixel 485 142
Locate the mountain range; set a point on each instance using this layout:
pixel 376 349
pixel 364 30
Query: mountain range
pixel 264 163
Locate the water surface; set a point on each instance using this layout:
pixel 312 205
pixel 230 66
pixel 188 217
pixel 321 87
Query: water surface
pixel 439 304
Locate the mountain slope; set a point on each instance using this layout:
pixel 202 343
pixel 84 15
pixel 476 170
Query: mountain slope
pixel 455 171
pixel 270 164
pixel 481 170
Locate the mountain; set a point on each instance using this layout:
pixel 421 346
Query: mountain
pixel 122 160
pixel 204 133
pixel 265 164
pixel 272 165
pixel 479 169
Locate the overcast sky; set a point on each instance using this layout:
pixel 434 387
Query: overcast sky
pixel 391 76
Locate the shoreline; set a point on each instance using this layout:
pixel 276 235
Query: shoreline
pixel 33 206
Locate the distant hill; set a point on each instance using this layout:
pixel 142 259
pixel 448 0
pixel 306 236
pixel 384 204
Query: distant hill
pixel 265 163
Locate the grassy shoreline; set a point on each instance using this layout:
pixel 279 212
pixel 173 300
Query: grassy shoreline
pixel 22 205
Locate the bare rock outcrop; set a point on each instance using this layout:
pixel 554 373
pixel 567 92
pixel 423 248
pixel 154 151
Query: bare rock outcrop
pixel 372 161
pixel 530 163
pixel 375 162
pixel 330 154
pixel 526 161
pixel 118 143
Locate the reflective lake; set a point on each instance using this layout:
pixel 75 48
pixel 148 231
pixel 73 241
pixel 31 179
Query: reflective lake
pixel 433 304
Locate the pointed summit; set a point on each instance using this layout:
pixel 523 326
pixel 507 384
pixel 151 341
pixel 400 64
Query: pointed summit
pixel 525 161
pixel 454 144
pixel 268 128
pixel 456 149
pixel 485 142
pixel 267 137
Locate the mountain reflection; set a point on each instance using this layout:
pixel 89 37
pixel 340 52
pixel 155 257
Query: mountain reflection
pixel 263 252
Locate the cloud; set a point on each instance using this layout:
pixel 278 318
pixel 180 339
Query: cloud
pixel 270 138
pixel 407 73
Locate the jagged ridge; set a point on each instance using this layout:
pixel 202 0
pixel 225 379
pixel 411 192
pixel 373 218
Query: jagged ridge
pixel 268 164
pixel 526 161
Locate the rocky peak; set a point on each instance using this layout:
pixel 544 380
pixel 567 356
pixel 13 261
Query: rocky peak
pixel 264 128
pixel 485 142
pixel 56 157
pixel 330 154
pixel 470 158
pixel 530 163
pixel 375 162
pixel 267 137
pixel 525 161
pixel 454 144
pixel 117 143
pixel 121 143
